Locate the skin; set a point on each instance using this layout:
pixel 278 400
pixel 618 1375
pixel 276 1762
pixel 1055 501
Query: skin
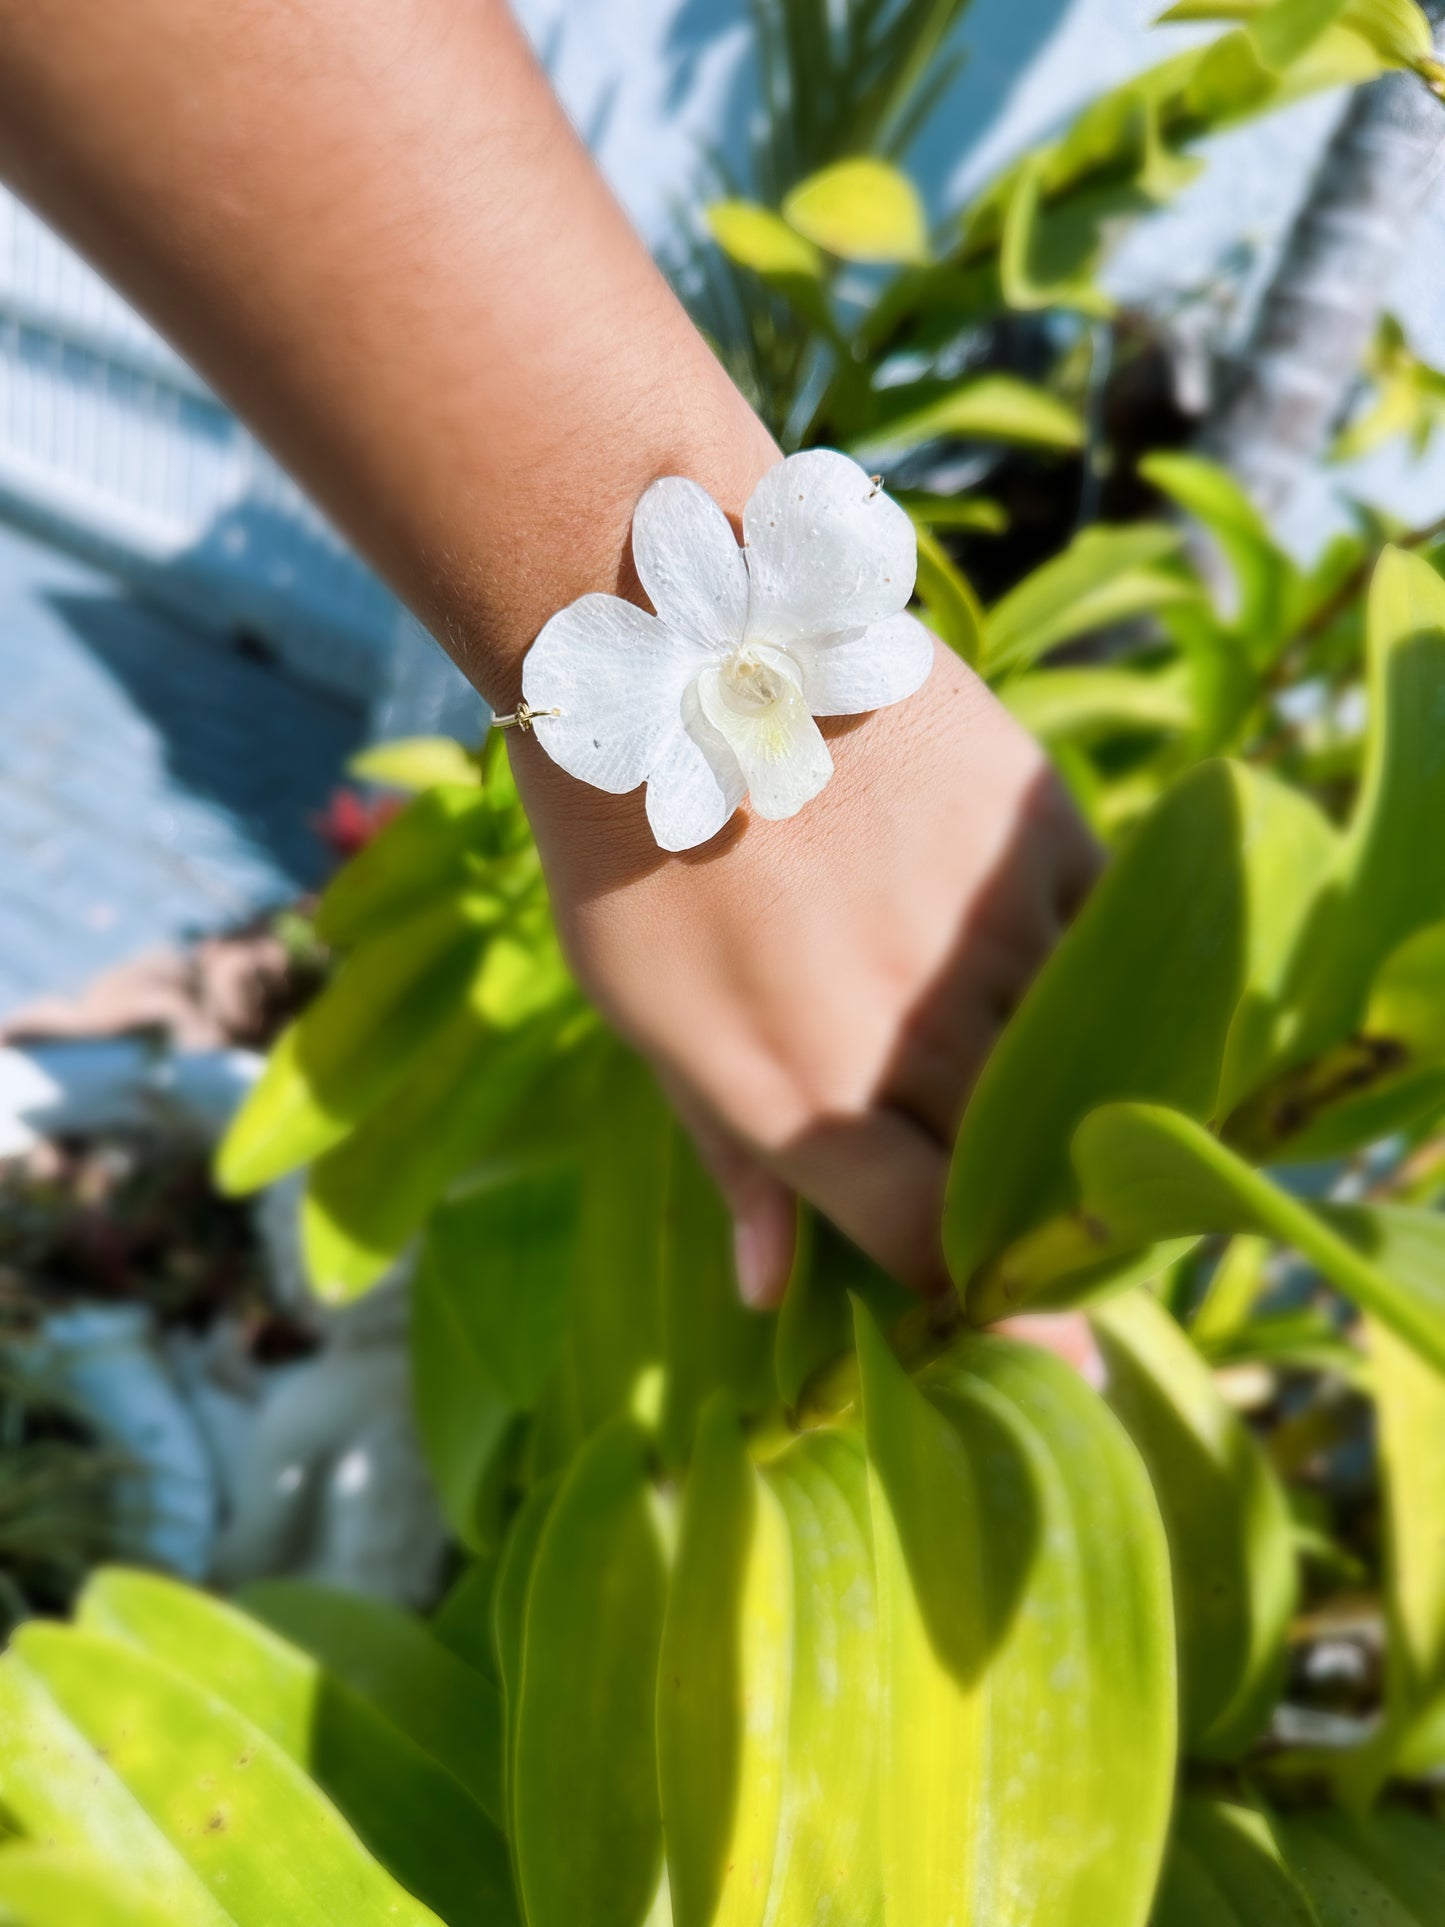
pixel 369 225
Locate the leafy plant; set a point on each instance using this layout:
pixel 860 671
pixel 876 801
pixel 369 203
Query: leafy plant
pixel 860 1612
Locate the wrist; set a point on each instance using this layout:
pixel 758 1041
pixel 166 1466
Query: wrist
pixel 569 532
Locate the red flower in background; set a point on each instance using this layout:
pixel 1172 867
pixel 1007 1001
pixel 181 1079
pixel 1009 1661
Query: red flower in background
pixel 350 820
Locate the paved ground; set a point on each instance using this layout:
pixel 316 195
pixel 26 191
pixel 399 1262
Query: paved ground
pixel 152 782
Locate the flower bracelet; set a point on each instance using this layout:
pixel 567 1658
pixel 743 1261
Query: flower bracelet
pixel 712 699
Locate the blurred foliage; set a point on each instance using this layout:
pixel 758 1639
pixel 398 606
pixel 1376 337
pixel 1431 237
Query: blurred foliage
pixel 857 1613
pixel 1407 398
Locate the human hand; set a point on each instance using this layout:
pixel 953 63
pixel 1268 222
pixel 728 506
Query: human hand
pixel 818 995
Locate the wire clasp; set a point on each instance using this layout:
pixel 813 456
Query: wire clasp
pixel 522 717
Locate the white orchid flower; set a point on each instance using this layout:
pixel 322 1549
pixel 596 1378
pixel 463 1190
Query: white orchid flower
pixel 713 698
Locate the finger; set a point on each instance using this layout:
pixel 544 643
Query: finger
pixel 764 1209
pixel 879 1176
pixel 938 1061
pixel 948 1038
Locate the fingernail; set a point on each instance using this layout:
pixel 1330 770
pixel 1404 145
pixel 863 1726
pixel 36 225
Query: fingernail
pixel 750 1256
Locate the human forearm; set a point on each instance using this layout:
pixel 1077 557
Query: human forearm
pixel 372 229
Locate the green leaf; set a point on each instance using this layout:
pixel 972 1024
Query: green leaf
pixel 1224 1870
pixel 451 1711
pixel 1410 1412
pixel 1385 1869
pixel 725 1677
pixel 1042 262
pixel 1391 877
pixel 39 1888
pixel 588 1829
pixel 760 241
pixel 497 1084
pixel 1292 854
pixel 1405 1005
pixel 757 238
pixel 1396 31
pixel 1024 1621
pixel 503 1258
pixel 986 408
pixel 1226 1518
pixel 1234 1290
pixel 1136 1001
pixel 339 1060
pixel 408 1807
pixel 463 1619
pixel 368 1197
pixel 1150 1173
pixel 417 763
pixel 421 854
pixel 489 1315
pixel 711 1341
pixel 930 511
pixel 615 1326
pixel 861 209
pixel 815 1324
pixel 1388 1078
pixel 509 1623
pixel 1088 704
pixel 1265 578
pixel 949 606
pixel 1105 576
pixel 104 1748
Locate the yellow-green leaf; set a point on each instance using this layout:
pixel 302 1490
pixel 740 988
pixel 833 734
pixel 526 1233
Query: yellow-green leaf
pixel 1226 1517
pixel 105 1748
pixel 421 855
pixel 1410 1408
pixel 408 1806
pixel 947 601
pixel 338 1061
pixel 861 209
pixel 1105 576
pixel 1085 704
pixel 417 763
pixel 1148 1173
pixel 1391 876
pixel 757 238
pixel 724 1684
pixel 41 1888
pixel 987 408
pixel 1028 1728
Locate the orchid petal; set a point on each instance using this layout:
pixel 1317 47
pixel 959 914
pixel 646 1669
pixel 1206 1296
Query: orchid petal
pixel 864 668
pixel 778 746
pixel 826 550
pixel 616 675
pixel 696 785
pixel 689 562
